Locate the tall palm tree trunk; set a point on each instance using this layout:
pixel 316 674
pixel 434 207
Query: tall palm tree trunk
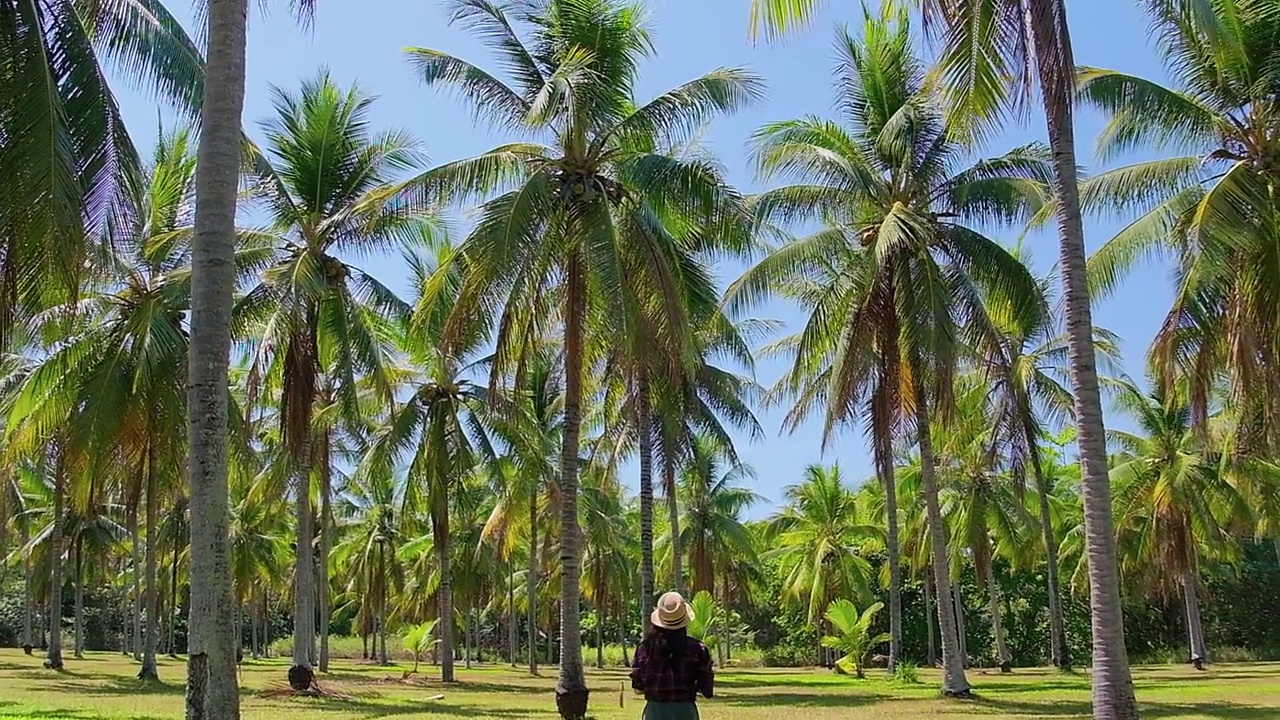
pixel 571 686
pixel 962 633
pixel 151 601
pixel 28 601
pixel 673 516
pixel 173 601
pixel 884 470
pixel 440 526
pixel 301 676
pixel 644 429
pixel 954 682
pixel 997 623
pixel 383 580
pixel 929 615
pixel 79 598
pixel 53 656
pixel 325 597
pixel 1057 626
pixel 135 537
pixel 513 641
pixel 1113 697
pixel 212 692
pixel 531 581
pixel 1191 600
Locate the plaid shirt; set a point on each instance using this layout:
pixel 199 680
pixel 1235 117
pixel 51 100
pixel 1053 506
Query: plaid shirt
pixel 661 683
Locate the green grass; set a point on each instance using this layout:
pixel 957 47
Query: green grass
pixel 102 687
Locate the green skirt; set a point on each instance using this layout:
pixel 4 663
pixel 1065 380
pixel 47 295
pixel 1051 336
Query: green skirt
pixel 670 711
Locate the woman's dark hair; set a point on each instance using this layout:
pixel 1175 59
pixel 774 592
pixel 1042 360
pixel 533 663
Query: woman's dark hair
pixel 669 645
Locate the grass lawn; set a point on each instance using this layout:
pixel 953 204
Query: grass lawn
pixel 102 687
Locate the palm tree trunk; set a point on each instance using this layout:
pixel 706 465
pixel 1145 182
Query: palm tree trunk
pixel 1195 628
pixel 28 600
pixel 571 686
pixel 326 540
pixel 1113 697
pixel 382 604
pixel 53 659
pixel 440 526
pixel 79 599
pixel 622 638
pixel 928 621
pixel 997 624
pixel 301 676
pixel 173 601
pixel 599 639
pixel 254 649
pixel 466 640
pixel 513 641
pixel 135 643
pixel 531 580
pixel 212 692
pixel 152 595
pixel 953 681
pixel 884 469
pixel 1057 626
pixel 723 645
pixel 962 633
pixel 673 515
pixel 644 422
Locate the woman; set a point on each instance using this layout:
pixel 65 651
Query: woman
pixel 670 667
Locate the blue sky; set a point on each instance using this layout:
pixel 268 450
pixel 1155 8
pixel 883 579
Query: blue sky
pixel 362 42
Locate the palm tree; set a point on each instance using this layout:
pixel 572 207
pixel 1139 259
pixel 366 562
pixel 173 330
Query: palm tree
pixel 896 282
pixel 436 429
pixel 371 544
pixel 323 180
pixel 556 238
pixel 817 537
pixel 712 526
pixel 1208 209
pixel 1175 500
pixel 991 50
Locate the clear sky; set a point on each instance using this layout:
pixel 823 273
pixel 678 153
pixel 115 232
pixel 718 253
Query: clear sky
pixel 362 42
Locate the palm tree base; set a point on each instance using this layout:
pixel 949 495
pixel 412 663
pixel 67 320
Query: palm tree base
pixel 148 673
pixel 27 649
pixel 53 664
pixel 1197 663
pixel 301 678
pixel 958 694
pixel 1006 667
pixel 572 703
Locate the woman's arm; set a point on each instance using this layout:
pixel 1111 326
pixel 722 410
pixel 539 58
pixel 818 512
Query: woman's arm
pixel 637 669
pixel 706 674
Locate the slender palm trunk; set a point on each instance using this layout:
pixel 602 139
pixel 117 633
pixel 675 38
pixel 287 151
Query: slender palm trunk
pixel 28 600
pixel 929 615
pixel 151 599
pixel 135 537
pixel 301 676
pixel 571 686
pixel 513 641
pixel 1057 627
pixel 53 659
pixel 466 640
pixel 997 624
pixel 79 599
pixel 254 648
pixel 383 581
pixel 884 469
pixel 599 639
pixel 1191 601
pixel 962 633
pixel 622 638
pixel 326 540
pixel 173 601
pixel 440 526
pixel 673 515
pixel 212 692
pixel 723 646
pixel 1113 697
pixel 954 681
pixel 531 580
pixel 644 422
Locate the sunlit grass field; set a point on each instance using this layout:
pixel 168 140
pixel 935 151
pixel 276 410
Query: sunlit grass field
pixel 102 687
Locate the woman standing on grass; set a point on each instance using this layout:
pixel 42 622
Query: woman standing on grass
pixel 671 668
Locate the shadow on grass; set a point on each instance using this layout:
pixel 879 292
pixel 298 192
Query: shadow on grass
pixel 1169 711
pixel 5 707
pixel 800 700
pixel 369 708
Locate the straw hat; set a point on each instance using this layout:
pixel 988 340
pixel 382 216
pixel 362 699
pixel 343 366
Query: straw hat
pixel 672 612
